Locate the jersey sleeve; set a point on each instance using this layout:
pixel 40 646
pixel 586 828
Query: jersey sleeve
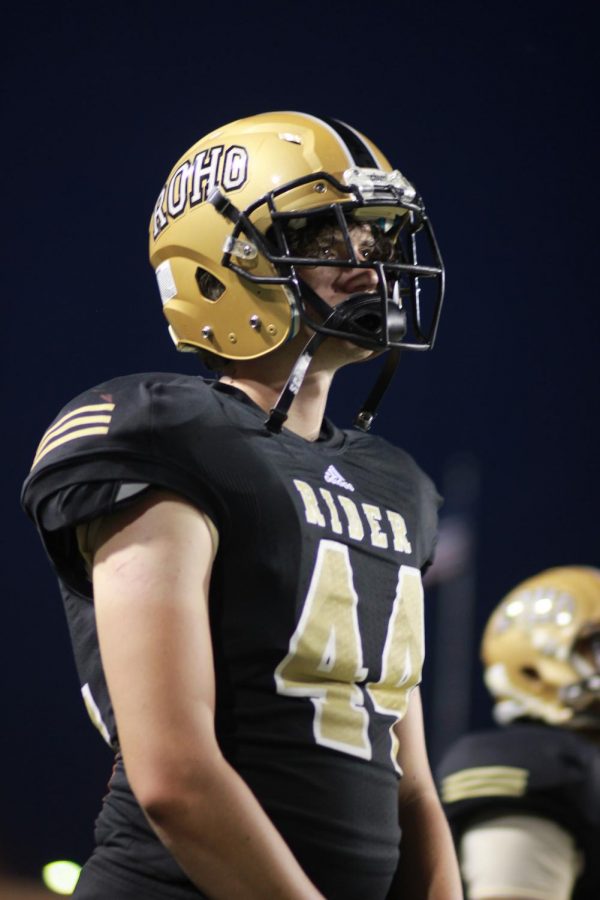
pixel 429 503
pixel 112 443
pixel 526 768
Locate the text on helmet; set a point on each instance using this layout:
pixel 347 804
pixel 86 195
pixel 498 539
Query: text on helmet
pixel 194 179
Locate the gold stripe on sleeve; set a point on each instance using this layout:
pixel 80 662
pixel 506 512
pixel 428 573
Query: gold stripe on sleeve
pixel 97 414
pixel 485 781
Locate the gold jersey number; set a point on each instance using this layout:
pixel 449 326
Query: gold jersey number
pixel 325 658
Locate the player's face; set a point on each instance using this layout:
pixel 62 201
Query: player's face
pixel 333 284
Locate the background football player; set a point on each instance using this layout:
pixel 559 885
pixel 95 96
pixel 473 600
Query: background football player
pixel 242 578
pixel 524 800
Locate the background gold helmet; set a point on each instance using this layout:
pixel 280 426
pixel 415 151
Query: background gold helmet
pixel 220 238
pixel 541 649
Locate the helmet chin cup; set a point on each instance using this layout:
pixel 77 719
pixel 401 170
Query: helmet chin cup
pixel 368 320
pixel 396 321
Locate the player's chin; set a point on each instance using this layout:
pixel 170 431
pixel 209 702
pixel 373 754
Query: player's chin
pixel 364 354
pixel 344 352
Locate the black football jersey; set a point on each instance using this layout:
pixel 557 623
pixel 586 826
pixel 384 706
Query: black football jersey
pixel 532 768
pixel 315 602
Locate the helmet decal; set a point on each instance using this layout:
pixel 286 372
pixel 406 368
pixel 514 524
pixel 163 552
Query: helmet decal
pixel 193 181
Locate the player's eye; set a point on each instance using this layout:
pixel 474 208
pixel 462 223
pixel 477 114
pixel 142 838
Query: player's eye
pixel 367 252
pixel 327 251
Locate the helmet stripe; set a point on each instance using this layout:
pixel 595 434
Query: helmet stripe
pixel 350 141
pixel 331 126
pixel 358 148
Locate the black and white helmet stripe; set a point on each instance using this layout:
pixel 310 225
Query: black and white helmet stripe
pixel 358 148
pixel 350 141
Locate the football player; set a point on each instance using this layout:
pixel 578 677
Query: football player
pixel 242 579
pixel 524 800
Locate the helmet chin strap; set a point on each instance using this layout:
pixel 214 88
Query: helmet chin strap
pixel 346 318
pixel 279 413
pixel 368 411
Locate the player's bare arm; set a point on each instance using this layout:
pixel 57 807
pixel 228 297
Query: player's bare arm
pixel 428 868
pixel 151 574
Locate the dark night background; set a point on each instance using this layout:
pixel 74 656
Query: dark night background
pixel 490 108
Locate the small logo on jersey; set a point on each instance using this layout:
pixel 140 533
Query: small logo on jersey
pixel 332 476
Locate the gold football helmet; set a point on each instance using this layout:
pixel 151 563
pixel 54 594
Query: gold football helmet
pixel 223 241
pixel 541 649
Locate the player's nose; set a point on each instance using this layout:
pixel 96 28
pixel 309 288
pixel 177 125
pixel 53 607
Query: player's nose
pixel 355 280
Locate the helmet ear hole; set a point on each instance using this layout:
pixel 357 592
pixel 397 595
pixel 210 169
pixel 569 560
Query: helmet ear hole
pixel 531 673
pixel 210 286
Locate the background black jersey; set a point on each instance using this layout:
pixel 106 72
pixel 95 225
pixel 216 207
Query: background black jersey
pixel 316 607
pixel 533 768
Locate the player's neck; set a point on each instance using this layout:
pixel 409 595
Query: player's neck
pixel 306 413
